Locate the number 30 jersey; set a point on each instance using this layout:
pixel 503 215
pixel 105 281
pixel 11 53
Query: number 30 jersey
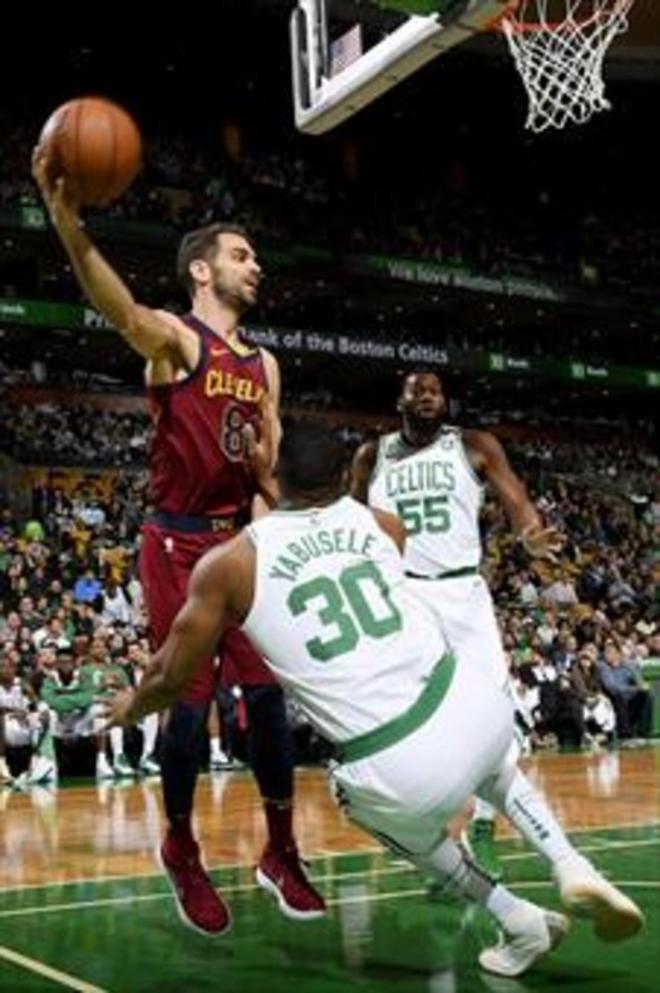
pixel 196 463
pixel 436 493
pixel 334 619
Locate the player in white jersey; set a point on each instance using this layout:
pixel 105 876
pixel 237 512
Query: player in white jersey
pixel 24 723
pixel 319 587
pixel 432 476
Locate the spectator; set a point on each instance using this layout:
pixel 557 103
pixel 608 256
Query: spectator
pixel 561 593
pixel 88 588
pixel 103 677
pixel 74 714
pixel 116 609
pixel 51 634
pixel 632 700
pixel 528 590
pixel 599 719
pixel 24 725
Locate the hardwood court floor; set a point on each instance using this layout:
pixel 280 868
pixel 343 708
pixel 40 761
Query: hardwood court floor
pixel 83 907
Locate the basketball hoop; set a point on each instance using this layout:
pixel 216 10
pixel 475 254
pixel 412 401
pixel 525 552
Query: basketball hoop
pixel 559 47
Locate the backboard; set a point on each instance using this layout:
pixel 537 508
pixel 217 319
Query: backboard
pixel 333 79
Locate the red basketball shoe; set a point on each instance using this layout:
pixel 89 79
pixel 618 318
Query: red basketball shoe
pixel 199 905
pixel 282 874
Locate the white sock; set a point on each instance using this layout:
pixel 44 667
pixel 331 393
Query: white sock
pixel 457 874
pixel 150 733
pixel 116 742
pixel 527 808
pixel 483 811
pixel 501 902
pixel 216 750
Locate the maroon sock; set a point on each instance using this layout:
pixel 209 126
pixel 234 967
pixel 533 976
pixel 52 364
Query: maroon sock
pixel 180 830
pixel 279 818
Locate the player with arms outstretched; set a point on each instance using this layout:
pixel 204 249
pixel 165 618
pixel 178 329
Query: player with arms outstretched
pixel 207 389
pixel 432 475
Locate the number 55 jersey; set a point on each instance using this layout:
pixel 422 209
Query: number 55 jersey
pixel 436 493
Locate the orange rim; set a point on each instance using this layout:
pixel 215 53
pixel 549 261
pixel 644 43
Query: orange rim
pixel 527 27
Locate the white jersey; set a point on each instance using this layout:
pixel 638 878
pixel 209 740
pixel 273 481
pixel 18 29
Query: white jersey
pixel 437 494
pixel 14 697
pixel 334 619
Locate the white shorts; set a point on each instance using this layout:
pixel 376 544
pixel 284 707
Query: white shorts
pixel 406 794
pixel 465 611
pixel 18 733
pixel 21 733
pixel 79 723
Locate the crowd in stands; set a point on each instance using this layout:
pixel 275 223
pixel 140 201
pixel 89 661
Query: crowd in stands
pixel 448 206
pixel 577 634
pixel 46 434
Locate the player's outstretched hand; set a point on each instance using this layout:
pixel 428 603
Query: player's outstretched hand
pixel 542 543
pixel 56 192
pixel 118 710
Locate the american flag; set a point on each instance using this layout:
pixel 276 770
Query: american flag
pixel 345 50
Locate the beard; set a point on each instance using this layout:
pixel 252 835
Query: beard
pixel 234 296
pixel 425 425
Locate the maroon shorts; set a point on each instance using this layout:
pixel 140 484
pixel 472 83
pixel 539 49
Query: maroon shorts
pixel 167 558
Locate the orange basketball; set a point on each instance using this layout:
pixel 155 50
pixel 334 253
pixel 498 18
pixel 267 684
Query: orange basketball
pixel 96 145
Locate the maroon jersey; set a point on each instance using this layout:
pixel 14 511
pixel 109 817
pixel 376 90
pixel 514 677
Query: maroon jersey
pixel 197 464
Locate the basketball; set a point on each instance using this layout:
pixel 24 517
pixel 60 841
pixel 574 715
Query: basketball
pixel 96 145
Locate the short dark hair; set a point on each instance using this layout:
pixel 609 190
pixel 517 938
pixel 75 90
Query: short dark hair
pixel 420 371
pixel 200 244
pixel 311 456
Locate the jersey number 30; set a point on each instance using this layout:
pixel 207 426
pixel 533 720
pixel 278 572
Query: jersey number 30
pixel 357 604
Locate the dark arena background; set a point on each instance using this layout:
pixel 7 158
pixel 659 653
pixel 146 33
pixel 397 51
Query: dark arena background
pixel 430 231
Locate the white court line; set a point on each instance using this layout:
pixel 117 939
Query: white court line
pixel 403 894
pixel 400 868
pixel 41 969
pixel 321 853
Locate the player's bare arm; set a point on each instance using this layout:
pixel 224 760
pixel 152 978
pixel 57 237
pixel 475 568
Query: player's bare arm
pixel 392 526
pixel 364 463
pixel 219 594
pixel 153 334
pixel 489 459
pixel 263 443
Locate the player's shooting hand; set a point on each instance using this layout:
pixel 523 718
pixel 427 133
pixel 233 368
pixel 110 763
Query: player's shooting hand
pixel 260 441
pixel 542 543
pixel 55 190
pixel 118 710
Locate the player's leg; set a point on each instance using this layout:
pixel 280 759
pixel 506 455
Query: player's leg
pixel 583 890
pixel 5 774
pixel 121 767
pixel 529 931
pixel 218 758
pixel 91 724
pixel 465 609
pixel 149 764
pixel 271 757
pixel 405 795
pixel 165 565
pixel 43 764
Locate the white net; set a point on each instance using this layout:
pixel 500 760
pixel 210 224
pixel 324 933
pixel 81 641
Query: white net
pixel 560 58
